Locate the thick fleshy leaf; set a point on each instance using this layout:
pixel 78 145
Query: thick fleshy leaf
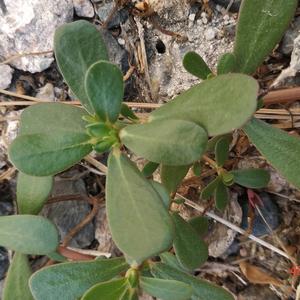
pixel 222 151
pixel 112 290
pixel 211 144
pixel 197 168
pixel 171 260
pixel 202 289
pixel 140 224
pixel 52 117
pixel 190 250
pixel 260 27
pixel 195 65
pixel 226 64
pixel 200 224
pixel 219 105
pixel 32 193
pixel 104 88
pixel 171 176
pixel 252 178
pixel 221 196
pixel 150 168
pixel 16 284
pixel 209 190
pixel 28 234
pixel 171 142
pixel 162 192
pixel 280 149
pixel 72 279
pixel 127 112
pixel 166 289
pixel 130 294
pixel 77 46
pixel 48 154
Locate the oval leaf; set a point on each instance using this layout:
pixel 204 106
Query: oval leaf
pixel 150 168
pixel 105 90
pixel 209 190
pixel 252 178
pixel 222 151
pixel 150 229
pixel 166 289
pixel 74 278
pixel 280 149
pixel 171 260
pixel 202 289
pixel 195 65
pixel 171 142
pixel 48 154
pixel 32 193
pixel 190 250
pixel 112 290
pixel 77 46
pixel 162 192
pixel 260 27
pixel 221 196
pixel 226 64
pixel 28 234
pixel 172 176
pixel 16 283
pixel 200 225
pixel 219 105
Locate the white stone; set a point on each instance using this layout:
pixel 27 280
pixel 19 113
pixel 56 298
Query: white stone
pixel 121 41
pixel 210 34
pixel 28 26
pixel 6 73
pixel 46 92
pixel 83 8
pixel 192 17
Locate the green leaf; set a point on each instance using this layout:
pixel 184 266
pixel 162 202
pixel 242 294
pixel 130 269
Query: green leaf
pixel 48 154
pixel 150 229
pixel 99 130
pixel 226 64
pixel 162 192
pixel 201 288
pixel 77 46
pixel 130 294
pixel 260 27
pixel 195 65
pixel 105 90
pixel 197 168
pixel 222 151
pixel 200 225
pixel 221 196
pixel 166 289
pixel 190 250
pixel 280 149
pixel 55 256
pixel 251 178
pixel 211 144
pixel 171 260
pixel 16 282
pixel 72 279
pixel 209 190
pixel 172 176
pixel 219 105
pixel 28 234
pixel 171 142
pixel 150 168
pixel 52 117
pixel 227 178
pixel 112 290
pixel 127 112
pixel 32 193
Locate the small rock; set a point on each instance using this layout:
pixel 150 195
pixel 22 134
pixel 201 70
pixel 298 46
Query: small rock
pixel 4 262
pixel 83 8
pixel 6 76
pixel 256 292
pixel 46 92
pixel 291 34
pixel 67 214
pixel 210 34
pixel 118 18
pixel 270 212
pixel 234 7
pixel 28 26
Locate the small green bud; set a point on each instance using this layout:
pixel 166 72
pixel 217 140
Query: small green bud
pixel 227 178
pixel 104 146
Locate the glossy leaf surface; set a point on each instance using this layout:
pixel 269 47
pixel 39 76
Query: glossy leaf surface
pixel 140 224
pixel 202 289
pixel 171 142
pixel 166 289
pixel 252 178
pixel 190 250
pixel 195 65
pixel 32 193
pixel 72 279
pixel 28 234
pixel 280 149
pixel 48 154
pixel 260 27
pixel 105 90
pixel 16 284
pixel 219 105
pixel 77 46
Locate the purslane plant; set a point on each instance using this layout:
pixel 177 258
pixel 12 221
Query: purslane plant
pixel 55 136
